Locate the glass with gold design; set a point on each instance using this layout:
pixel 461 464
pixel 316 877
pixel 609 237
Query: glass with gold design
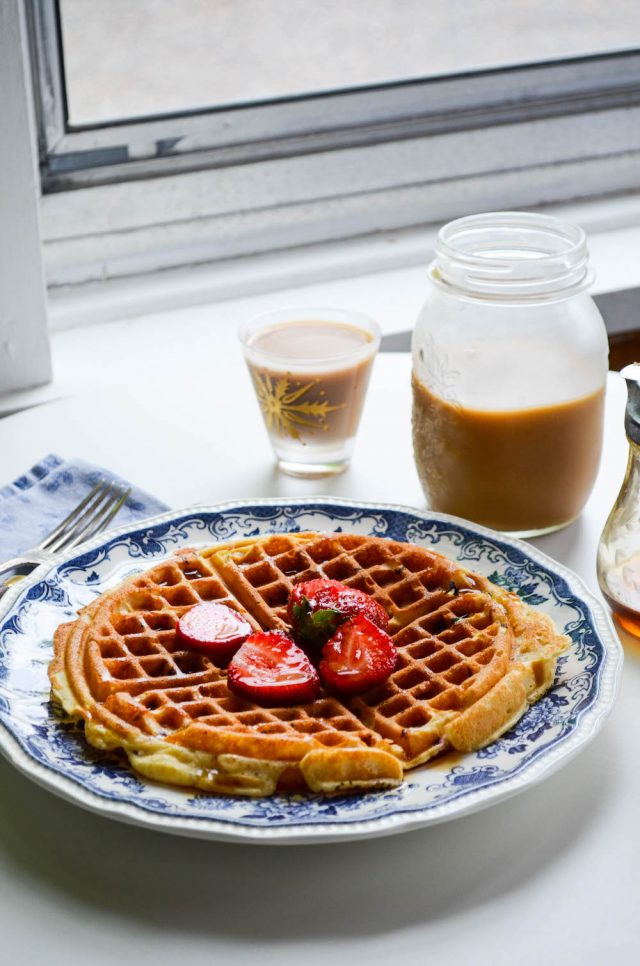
pixel 310 369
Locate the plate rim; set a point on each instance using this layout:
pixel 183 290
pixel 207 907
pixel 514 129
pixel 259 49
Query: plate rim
pixel 589 724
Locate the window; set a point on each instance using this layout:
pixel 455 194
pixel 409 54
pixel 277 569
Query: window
pixel 179 133
pixel 239 51
pixel 242 51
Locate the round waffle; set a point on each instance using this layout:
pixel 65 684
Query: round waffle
pixel 472 657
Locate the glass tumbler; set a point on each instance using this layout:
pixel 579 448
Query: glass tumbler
pixel 310 368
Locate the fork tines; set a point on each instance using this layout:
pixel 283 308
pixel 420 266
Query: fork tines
pixel 91 516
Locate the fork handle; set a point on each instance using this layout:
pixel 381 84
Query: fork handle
pixel 17 567
pixel 16 562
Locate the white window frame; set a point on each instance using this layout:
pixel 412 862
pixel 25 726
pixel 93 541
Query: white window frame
pixel 24 346
pixel 147 194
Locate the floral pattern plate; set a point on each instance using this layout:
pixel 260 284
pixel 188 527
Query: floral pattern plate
pixel 55 754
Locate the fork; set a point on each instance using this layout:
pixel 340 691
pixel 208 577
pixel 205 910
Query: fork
pixel 91 516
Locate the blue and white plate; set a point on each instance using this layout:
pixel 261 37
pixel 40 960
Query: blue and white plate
pixel 56 755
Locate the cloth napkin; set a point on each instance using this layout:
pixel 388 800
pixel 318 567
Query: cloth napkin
pixel 38 501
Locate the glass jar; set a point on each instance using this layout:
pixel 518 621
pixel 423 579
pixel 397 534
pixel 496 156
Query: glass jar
pixel 510 359
pixel 618 559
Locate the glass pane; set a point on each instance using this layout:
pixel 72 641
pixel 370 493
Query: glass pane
pixel 128 58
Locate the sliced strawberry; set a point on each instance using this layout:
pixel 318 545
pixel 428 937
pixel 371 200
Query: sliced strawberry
pixel 215 629
pixel 358 656
pixel 271 670
pixel 318 607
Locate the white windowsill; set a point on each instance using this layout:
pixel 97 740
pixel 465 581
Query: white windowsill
pixel 202 307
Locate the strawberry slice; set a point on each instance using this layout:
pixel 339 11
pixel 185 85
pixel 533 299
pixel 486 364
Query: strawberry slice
pixel 271 670
pixel 215 629
pixel 358 656
pixel 318 607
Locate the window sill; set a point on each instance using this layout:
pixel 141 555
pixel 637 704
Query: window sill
pixel 157 322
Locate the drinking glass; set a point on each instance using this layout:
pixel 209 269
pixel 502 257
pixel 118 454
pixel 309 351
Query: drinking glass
pixel 310 368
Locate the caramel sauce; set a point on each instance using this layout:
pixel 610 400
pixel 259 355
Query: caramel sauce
pixel 448 761
pixel 522 470
pixel 627 618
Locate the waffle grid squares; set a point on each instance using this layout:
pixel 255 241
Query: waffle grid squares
pixel 445 628
pixel 378 571
pixel 452 631
pixel 139 643
pixel 431 673
pixel 212 704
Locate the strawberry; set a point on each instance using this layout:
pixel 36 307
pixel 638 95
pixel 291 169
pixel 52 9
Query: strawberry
pixel 271 670
pixel 215 629
pixel 318 607
pixel 357 657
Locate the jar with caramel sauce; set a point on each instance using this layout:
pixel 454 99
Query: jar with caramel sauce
pixel 510 359
pixel 618 559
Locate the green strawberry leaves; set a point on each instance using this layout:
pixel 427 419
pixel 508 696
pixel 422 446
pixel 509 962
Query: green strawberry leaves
pixel 314 628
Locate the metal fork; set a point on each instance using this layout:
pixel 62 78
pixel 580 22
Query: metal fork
pixel 90 517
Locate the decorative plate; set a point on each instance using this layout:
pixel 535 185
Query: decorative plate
pixel 56 755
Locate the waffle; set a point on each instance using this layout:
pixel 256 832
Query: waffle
pixel 472 657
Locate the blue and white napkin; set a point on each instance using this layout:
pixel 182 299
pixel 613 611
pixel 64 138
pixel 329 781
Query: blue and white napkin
pixel 38 501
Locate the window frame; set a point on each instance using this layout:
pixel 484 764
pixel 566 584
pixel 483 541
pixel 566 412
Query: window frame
pixel 84 155
pixel 231 181
pixel 25 359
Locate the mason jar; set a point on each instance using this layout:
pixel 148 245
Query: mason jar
pixel 510 359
